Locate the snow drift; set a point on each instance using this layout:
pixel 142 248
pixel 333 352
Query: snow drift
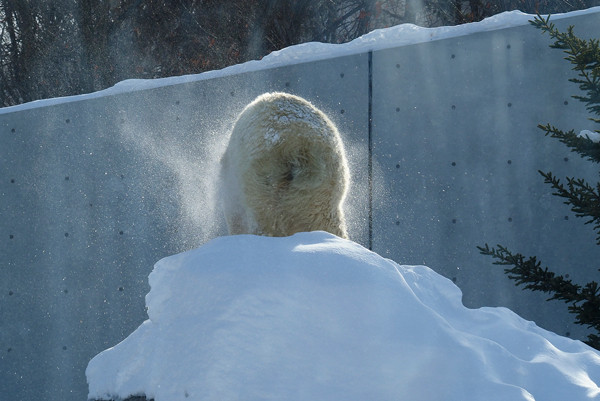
pixel 316 317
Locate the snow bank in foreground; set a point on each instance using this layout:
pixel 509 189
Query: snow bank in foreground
pixel 315 317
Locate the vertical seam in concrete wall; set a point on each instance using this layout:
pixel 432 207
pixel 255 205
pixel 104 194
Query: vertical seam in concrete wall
pixel 370 148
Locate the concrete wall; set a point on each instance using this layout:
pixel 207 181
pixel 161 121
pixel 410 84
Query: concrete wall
pixel 94 192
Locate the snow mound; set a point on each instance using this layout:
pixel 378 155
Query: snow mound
pixel 316 317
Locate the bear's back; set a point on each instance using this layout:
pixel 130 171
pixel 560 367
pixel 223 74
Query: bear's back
pixel 291 168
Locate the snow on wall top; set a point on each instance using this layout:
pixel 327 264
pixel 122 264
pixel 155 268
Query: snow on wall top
pixel 400 35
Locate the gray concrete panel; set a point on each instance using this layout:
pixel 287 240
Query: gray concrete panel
pixel 457 154
pixel 94 192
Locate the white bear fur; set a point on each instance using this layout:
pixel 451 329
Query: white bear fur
pixel 284 170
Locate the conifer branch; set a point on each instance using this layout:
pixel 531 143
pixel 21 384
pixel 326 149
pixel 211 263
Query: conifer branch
pixel 584 55
pixel 582 145
pixel 584 301
pixel 581 196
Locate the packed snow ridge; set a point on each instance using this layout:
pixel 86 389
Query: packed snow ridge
pixel 317 317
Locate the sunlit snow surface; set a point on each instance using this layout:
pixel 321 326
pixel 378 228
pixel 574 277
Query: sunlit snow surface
pixel 316 317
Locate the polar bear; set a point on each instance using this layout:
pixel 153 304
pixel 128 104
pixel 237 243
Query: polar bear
pixel 284 170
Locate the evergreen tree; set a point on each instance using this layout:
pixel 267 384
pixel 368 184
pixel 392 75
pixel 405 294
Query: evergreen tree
pixel 584 198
